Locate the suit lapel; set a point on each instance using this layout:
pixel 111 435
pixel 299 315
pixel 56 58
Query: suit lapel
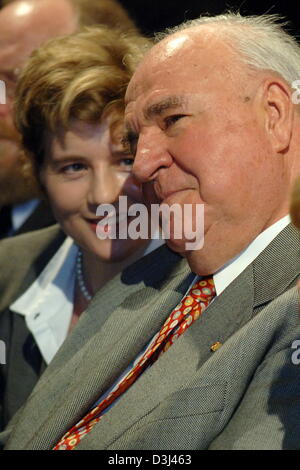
pixel 130 290
pixel 176 368
pixel 277 267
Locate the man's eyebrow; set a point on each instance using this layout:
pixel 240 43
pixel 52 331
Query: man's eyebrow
pixel 157 109
pixel 129 139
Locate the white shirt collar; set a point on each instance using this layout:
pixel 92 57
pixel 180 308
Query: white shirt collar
pixel 47 304
pixel 233 268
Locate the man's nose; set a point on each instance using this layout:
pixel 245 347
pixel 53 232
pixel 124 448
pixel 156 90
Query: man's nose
pixel 151 155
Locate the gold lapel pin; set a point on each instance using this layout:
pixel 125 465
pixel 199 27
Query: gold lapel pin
pixel 214 347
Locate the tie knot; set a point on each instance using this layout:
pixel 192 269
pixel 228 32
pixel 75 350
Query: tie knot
pixel 203 289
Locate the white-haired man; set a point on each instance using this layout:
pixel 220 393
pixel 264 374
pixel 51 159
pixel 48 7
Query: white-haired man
pixel 211 121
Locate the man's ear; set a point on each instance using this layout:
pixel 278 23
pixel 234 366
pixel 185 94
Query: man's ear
pixel 279 113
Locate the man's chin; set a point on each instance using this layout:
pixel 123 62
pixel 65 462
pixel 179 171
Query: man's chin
pixel 200 261
pixel 179 246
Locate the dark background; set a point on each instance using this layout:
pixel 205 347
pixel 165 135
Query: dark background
pixel 155 15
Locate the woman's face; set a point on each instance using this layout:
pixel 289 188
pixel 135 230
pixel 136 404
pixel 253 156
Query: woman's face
pixel 84 168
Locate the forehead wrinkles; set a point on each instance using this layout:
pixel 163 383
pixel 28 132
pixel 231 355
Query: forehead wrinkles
pixel 191 67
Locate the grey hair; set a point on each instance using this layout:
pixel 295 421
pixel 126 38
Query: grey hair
pixel 260 41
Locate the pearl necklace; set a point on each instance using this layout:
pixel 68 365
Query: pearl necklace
pixel 80 279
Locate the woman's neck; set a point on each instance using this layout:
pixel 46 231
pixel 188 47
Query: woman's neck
pixel 97 273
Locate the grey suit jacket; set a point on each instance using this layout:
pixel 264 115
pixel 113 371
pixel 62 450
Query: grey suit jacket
pixel 22 258
pixel 245 395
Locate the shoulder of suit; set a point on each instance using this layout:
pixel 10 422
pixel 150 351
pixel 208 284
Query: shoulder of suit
pixel 284 310
pixel 278 320
pixel 20 251
pixel 36 236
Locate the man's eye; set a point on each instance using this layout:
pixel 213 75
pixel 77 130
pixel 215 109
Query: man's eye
pixel 170 120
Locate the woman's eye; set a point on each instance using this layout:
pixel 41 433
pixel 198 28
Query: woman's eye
pixel 73 168
pixel 127 162
pixel 169 120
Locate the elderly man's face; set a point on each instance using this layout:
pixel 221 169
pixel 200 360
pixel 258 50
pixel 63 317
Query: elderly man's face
pixel 200 137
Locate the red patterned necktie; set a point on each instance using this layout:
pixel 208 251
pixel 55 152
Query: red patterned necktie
pixel 189 310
